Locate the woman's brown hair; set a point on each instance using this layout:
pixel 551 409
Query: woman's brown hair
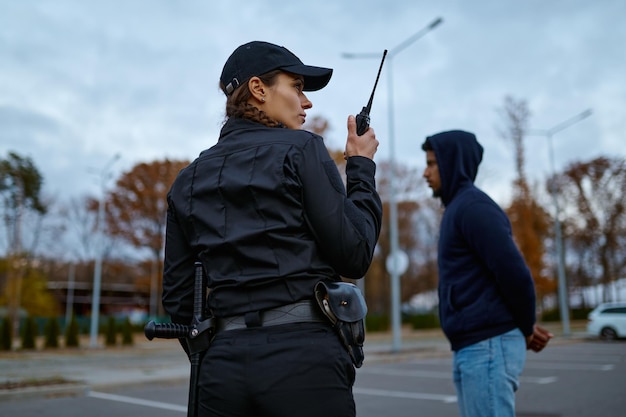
pixel 237 103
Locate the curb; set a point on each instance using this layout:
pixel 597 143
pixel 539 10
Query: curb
pixel 50 391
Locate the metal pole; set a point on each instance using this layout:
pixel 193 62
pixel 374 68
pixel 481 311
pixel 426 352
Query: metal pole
pixel 69 298
pixel 563 302
pixel 393 206
pixel 97 271
pixel 558 236
pixel 97 275
pixel 396 323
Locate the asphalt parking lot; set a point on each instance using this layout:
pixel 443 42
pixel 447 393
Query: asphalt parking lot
pixel 573 377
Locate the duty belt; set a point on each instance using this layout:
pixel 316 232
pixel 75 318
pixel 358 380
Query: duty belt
pixel 301 312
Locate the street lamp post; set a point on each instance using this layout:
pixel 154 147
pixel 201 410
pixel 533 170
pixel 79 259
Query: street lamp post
pixel 560 257
pixel 69 298
pixel 395 269
pixel 97 271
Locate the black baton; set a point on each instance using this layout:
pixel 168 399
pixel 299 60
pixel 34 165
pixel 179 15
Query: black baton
pixel 197 345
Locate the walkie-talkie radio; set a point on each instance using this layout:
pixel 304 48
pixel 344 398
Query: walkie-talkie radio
pixel 363 118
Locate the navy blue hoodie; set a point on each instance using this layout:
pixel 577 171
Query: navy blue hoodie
pixel 485 287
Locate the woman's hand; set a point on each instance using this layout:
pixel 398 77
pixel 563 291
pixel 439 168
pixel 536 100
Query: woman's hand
pixel 365 145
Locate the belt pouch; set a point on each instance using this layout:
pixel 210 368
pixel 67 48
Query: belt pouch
pixel 343 303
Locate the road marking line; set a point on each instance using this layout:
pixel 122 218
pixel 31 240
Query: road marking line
pixel 359 391
pixel 539 380
pixel 402 372
pixel 571 366
pixel 137 401
pixel 445 375
pixel 403 394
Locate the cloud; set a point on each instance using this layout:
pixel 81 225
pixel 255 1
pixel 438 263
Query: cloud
pixel 81 81
pixel 20 125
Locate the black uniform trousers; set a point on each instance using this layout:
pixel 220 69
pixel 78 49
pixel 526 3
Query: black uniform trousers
pixel 295 369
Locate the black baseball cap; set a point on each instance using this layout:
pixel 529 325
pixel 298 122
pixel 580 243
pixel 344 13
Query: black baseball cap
pixel 257 58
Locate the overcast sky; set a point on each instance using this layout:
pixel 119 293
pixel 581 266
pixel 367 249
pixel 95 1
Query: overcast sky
pixel 81 81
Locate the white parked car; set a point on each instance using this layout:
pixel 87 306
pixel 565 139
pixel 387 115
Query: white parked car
pixel 607 321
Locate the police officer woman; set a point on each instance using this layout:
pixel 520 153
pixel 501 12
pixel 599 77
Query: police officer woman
pixel 267 214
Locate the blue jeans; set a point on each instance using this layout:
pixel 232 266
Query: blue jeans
pixel 486 375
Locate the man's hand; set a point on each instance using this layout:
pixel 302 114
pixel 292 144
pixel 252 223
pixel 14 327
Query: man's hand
pixel 539 339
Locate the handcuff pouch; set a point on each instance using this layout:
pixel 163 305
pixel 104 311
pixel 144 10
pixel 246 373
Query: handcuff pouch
pixel 344 305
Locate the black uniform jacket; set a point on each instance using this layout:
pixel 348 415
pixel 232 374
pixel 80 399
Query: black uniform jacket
pixel 267 213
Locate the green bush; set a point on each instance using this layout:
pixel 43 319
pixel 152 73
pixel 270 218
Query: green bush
pixel 423 321
pixel 551 315
pixel 110 332
pixel 84 325
pixel 29 333
pixel 52 332
pixel 377 322
pixel 580 313
pixel 71 333
pixel 6 334
pixel 575 314
pixel 127 332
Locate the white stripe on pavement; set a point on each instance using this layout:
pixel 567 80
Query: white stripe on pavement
pixel 538 380
pixel 137 401
pixel 403 394
pixel 563 366
pixel 357 391
pixel 445 375
pixel 403 372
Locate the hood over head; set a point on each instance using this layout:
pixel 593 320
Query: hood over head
pixel 458 156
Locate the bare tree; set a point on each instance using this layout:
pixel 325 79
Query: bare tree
pixel 418 220
pixel 79 214
pixel 516 115
pixel 529 220
pixel 594 196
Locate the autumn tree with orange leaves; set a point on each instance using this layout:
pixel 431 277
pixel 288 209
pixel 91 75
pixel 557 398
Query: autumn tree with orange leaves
pixel 137 213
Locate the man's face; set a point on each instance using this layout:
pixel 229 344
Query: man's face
pixel 431 173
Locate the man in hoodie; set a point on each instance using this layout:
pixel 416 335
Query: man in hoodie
pixel 486 291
